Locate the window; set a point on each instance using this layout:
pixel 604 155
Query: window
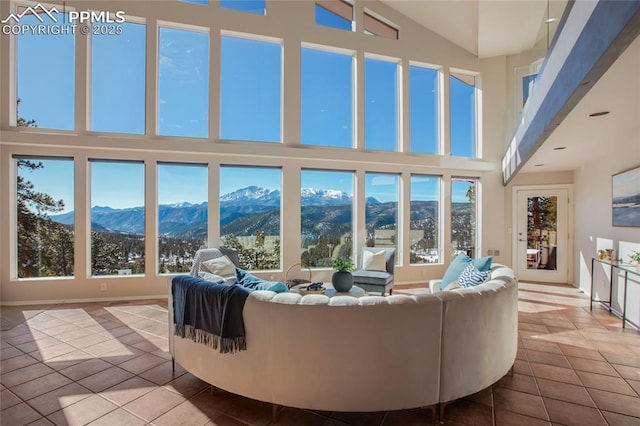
pixel 326 200
pixel 250 6
pixel 327 98
pixel 118 80
pixel 182 215
pixel 45 234
pixel 183 83
pixel 528 82
pixel 251 90
pixel 381 210
pixel 425 219
pixel 335 14
pixel 117 218
pixel 462 106
pixel 381 105
pixel 377 26
pixel 463 215
pixel 250 215
pixel 423 110
pixel 50 99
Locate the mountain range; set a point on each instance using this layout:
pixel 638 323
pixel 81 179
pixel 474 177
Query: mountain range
pixel 242 212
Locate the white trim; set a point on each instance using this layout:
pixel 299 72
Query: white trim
pixel 181 26
pixel 252 37
pixel 329 49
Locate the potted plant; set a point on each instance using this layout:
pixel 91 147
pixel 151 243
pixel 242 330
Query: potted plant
pixel 635 257
pixel 342 279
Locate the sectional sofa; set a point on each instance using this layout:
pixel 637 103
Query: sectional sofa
pixel 372 353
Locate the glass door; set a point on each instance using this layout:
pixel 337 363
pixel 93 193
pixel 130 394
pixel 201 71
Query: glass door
pixel 541 235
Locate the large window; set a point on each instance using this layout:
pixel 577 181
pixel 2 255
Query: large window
pixel 423 109
pixel 425 219
pixel 250 215
pixel 251 90
pixel 117 218
pixel 183 83
pixel 250 6
pixel 335 14
pixel 381 105
pixel 326 200
pixel 463 215
pixel 381 210
pixel 46 72
pixel 182 215
pixel 327 98
pixel 44 189
pixel 118 80
pixel 462 106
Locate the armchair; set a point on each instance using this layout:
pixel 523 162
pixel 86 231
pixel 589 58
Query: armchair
pixel 375 280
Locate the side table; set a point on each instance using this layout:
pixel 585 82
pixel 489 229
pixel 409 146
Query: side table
pixel 626 269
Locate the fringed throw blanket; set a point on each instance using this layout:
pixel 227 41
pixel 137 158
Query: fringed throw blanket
pixel 209 313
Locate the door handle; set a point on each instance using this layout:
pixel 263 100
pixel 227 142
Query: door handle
pixel 520 239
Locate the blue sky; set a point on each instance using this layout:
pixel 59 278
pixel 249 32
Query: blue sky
pixel 251 84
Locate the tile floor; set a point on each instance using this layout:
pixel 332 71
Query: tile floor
pixel 107 364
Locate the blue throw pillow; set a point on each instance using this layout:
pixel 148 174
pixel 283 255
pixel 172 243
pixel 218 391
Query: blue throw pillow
pixel 245 279
pixel 460 263
pixel 471 276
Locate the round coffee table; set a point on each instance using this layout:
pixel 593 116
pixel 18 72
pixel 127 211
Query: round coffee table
pixel 354 291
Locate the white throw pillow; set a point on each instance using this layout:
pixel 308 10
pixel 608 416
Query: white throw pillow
pixel 217 278
pixel 210 277
pixel 222 266
pixel 374 261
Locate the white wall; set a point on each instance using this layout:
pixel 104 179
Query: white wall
pixel 293 22
pixel 593 192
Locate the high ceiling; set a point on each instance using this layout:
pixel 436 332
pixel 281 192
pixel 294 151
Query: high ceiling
pixel 587 138
pixel 487 28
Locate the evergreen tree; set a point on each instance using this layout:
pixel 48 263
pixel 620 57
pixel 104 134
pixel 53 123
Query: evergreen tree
pixel 45 248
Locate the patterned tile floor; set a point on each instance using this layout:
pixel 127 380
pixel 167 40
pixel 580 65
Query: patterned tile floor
pixel 108 364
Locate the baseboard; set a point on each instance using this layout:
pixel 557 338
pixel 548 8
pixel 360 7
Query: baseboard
pixel 88 300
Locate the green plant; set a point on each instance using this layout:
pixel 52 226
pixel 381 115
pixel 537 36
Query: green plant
pixel 635 256
pixel 343 265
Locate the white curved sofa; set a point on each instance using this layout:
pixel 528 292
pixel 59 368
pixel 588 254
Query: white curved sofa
pixel 372 353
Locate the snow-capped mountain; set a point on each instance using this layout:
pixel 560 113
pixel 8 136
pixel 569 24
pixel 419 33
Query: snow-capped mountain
pixel 178 218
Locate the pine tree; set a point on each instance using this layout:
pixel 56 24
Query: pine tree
pixel 45 248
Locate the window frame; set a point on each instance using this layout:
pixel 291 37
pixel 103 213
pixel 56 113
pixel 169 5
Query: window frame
pixel 181 27
pixel 439 229
pixel 327 6
pixel 158 164
pixel 379 20
pixel 89 91
pixel 353 208
pixel 353 93
pixel 477 114
pixel 13 218
pixel 439 106
pixel 398 101
pixel 257 38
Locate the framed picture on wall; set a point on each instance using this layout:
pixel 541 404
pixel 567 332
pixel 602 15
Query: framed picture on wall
pixel 626 198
